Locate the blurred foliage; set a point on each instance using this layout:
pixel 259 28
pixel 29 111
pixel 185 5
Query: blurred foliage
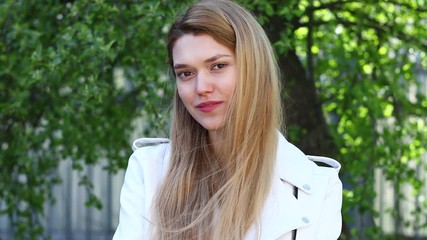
pixel 76 75
pixel 73 77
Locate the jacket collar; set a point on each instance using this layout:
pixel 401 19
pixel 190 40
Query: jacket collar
pixel 293 166
pixel 282 212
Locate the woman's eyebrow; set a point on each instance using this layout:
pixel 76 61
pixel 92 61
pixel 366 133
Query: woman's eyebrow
pixel 214 58
pixel 209 60
pixel 178 66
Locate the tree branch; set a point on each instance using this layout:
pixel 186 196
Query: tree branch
pixel 418 9
pixel 339 4
pixel 367 22
pixel 333 5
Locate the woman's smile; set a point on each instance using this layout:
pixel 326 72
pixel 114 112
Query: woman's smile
pixel 209 106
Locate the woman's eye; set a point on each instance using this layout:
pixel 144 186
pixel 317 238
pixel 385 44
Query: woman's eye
pixel 219 66
pixel 183 74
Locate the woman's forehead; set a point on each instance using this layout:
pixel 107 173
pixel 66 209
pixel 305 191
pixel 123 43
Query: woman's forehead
pixel 191 47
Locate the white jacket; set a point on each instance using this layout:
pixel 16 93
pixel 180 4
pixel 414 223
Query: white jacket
pixel 315 213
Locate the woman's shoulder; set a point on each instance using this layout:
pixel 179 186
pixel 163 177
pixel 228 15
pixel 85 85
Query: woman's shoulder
pixel 325 166
pixel 149 151
pixel 294 156
pixel 299 169
pixel 325 163
pixel 145 142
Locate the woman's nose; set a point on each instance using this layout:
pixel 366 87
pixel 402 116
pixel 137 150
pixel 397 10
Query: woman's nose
pixel 204 83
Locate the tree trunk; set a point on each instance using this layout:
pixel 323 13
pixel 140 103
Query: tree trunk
pixel 303 108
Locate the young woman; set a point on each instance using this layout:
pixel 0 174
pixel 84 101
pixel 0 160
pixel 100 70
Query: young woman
pixel 227 172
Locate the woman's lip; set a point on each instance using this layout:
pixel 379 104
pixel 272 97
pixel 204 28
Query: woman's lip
pixel 208 106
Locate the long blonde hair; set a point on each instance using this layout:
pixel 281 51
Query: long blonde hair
pixel 220 196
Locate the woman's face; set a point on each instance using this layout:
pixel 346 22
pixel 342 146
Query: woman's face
pixel 206 75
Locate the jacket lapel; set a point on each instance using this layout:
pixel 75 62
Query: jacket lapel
pixel 282 212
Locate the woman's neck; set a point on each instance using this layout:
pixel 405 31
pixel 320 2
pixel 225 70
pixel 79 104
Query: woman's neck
pixel 215 137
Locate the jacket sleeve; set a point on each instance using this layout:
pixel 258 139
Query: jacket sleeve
pixel 131 220
pixel 330 221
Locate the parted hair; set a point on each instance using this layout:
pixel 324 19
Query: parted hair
pixel 220 196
